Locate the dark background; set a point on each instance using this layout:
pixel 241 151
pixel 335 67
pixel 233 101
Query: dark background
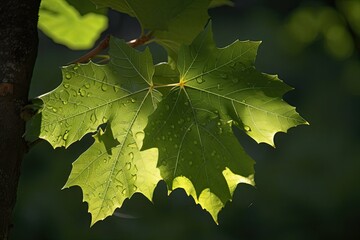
pixel 307 187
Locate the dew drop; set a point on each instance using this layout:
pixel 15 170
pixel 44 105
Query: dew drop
pixel 123 192
pixel 67 75
pixel 134 177
pixel 128 165
pixel 87 85
pixel 133 100
pixel 76 68
pixel 132 145
pixel 247 128
pixel 54 110
pixel 131 155
pixel 195 142
pixel 66 135
pixel 104 87
pixel 105 160
pixel 66 85
pixel 219 87
pixel 82 92
pixel 140 136
pixel 93 118
pixel 65 102
pixel 104 119
pixel 200 80
pixel 219 123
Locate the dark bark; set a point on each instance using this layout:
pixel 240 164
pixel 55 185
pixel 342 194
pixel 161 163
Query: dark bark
pixel 18 49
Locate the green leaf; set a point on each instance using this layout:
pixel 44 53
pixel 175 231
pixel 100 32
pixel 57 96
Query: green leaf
pixel 192 126
pixel 65 25
pixel 109 172
pixel 218 3
pixel 118 93
pixel 173 22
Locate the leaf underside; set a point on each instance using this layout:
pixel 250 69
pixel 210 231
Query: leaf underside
pixel 161 122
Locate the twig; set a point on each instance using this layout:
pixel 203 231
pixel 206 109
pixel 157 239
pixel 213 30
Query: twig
pixel 104 44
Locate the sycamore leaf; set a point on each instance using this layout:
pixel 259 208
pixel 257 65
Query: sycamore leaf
pixel 192 126
pixel 65 25
pixel 109 172
pixel 118 93
pixel 121 95
pixel 172 22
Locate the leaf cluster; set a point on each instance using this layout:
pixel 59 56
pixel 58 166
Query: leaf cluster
pixel 168 121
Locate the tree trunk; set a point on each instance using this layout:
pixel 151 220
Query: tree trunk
pixel 18 50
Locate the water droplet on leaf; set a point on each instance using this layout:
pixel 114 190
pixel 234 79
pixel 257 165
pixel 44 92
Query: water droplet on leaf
pixel 128 165
pixel 66 135
pixel 123 192
pixel 67 75
pixel 104 87
pixel 247 128
pixel 82 92
pixel 140 135
pixel 93 118
pixel 131 155
pixel 200 80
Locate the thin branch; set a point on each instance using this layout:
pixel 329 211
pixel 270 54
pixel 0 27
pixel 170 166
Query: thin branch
pixel 104 44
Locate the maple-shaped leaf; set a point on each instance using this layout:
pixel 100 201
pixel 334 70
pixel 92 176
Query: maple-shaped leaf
pixel 172 23
pixel 65 25
pixel 109 172
pixel 192 126
pixel 120 94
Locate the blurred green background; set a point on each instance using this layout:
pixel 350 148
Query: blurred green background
pixel 307 187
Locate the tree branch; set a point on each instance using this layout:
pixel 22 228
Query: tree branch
pixel 104 44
